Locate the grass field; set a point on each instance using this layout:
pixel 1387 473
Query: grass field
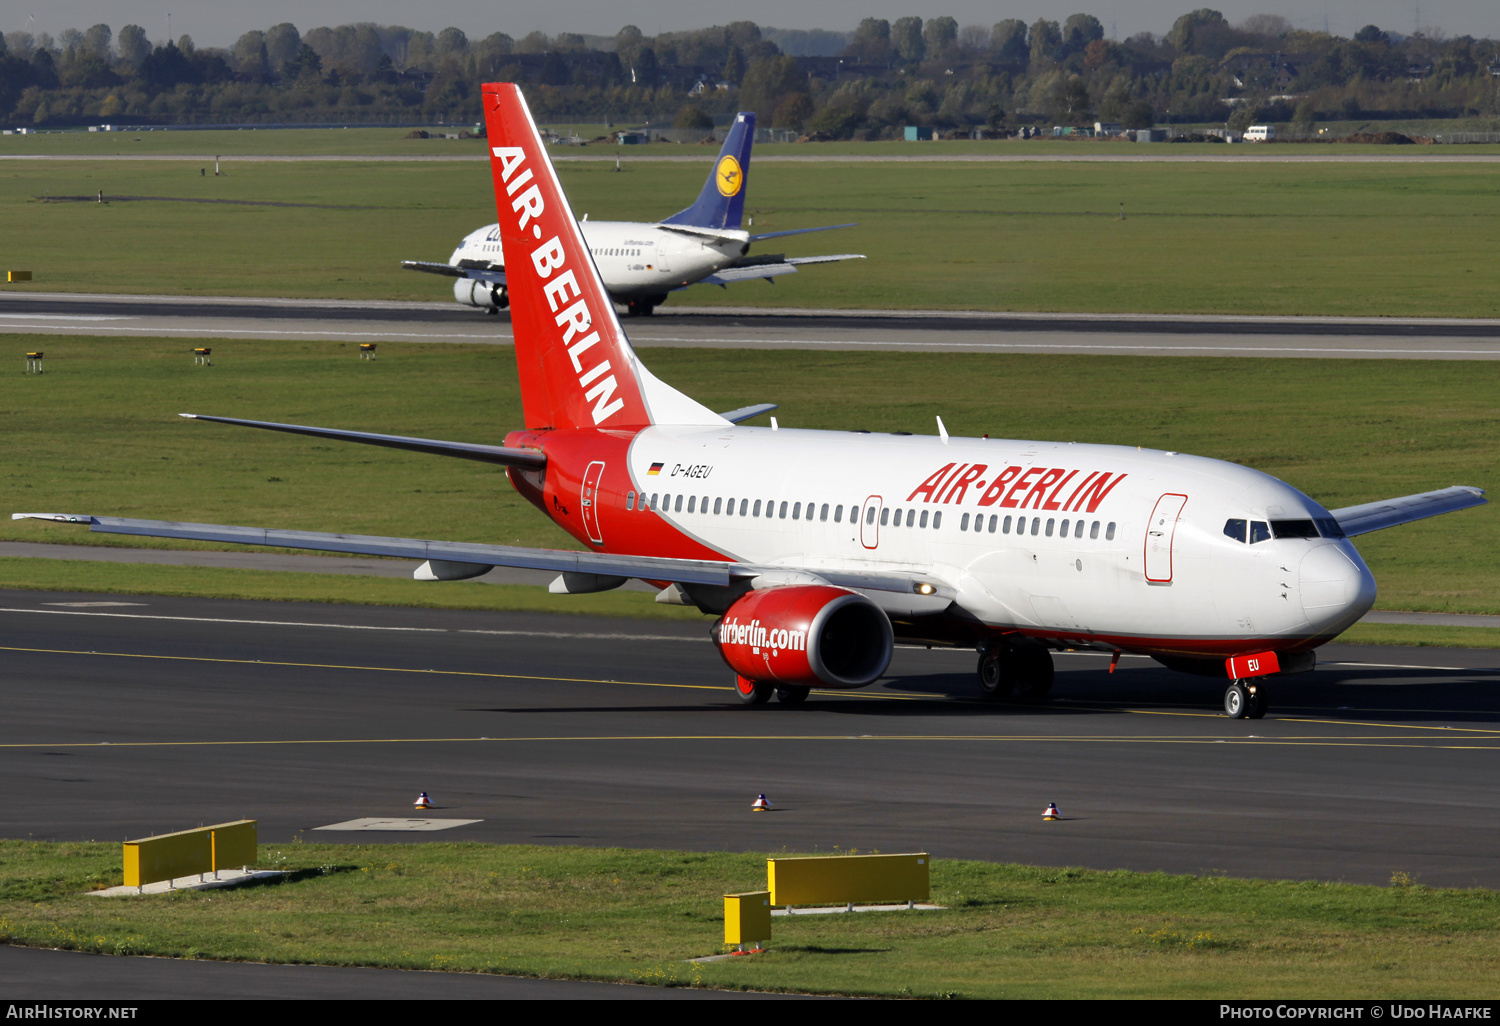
pixel 98 434
pixel 637 916
pixel 1353 239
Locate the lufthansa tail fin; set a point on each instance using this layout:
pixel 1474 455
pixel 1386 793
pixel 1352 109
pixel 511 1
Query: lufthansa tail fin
pixel 577 368
pixel 721 204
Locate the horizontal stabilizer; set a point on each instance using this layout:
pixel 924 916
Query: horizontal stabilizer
pixel 528 459
pixel 1375 516
pixel 745 413
pixel 802 231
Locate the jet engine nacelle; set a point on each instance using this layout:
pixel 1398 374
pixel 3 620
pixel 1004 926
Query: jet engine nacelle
pixel 483 294
pixel 811 635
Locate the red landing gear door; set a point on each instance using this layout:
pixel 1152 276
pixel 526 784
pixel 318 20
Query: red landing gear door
pixel 869 522
pixel 1160 531
pixel 590 501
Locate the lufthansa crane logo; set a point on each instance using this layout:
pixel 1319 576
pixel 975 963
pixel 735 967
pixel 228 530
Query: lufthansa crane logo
pixel 728 176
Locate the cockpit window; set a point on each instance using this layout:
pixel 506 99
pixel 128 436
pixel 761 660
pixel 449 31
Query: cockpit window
pixel 1294 529
pixel 1259 531
pixel 1235 529
pixel 1329 527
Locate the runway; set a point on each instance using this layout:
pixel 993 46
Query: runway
pixel 735 328
pixel 133 715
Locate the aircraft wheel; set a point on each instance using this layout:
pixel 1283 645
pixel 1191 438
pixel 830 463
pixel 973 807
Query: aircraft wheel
pixel 492 311
pixel 1237 701
pixel 1259 703
pixel 1033 673
pixel 792 696
pixel 752 692
pixel 996 676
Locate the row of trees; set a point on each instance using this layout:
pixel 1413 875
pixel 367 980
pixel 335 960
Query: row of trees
pixel 867 82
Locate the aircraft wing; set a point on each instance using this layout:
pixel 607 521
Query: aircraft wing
pixel 908 592
pixel 801 231
pixel 1375 516
pixel 789 265
pixel 457 271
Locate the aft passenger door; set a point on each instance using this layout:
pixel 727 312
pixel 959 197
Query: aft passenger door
pixel 1160 530
pixel 589 503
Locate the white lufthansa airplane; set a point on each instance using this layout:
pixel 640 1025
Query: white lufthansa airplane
pixel 640 262
pixel 817 549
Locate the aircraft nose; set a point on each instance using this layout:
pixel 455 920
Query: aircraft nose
pixel 1336 589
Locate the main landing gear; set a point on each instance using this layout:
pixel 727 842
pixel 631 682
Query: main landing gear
pixel 759 692
pixel 1245 701
pixel 1019 671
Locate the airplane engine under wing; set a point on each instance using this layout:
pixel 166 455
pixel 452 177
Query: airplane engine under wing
pixel 806 636
pixel 486 295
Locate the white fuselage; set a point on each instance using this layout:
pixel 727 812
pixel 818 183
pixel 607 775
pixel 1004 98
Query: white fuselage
pixel 1020 531
pixel 635 259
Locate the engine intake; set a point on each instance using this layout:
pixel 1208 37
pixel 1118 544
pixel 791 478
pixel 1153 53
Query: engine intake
pixel 483 294
pixel 806 636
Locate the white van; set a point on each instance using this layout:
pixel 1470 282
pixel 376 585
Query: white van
pixel 1260 133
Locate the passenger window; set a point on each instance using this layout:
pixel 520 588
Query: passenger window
pixel 838 514
pixel 692 501
pixel 963 525
pixel 630 500
pixel 1062 532
pixel 783 511
pixel 796 511
pixel 744 505
pixel 885 516
pixel 653 502
pixel 870 516
pixel 1006 528
pixel 823 513
pixel 678 509
pixel 719 505
pixel 756 511
pixel 937 519
pixel 1050 522
pixel 704 504
pixel 1109 532
pixel 911 515
pixel 1094 531
pixel 924 519
pixel 1259 531
pixel 992 523
pixel 1235 529
pixel 1078 530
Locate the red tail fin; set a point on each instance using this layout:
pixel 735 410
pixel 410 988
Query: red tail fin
pixel 577 367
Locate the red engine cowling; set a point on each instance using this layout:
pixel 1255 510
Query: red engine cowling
pixel 806 636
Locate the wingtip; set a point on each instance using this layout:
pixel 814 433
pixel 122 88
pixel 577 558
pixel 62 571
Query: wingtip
pixel 189 416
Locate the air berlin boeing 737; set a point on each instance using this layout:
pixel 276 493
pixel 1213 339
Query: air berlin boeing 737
pixel 816 549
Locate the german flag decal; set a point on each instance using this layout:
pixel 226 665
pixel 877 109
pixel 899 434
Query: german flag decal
pixel 655 469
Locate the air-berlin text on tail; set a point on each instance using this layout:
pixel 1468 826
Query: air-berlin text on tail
pixel 1019 488
pixel 563 294
pixel 733 632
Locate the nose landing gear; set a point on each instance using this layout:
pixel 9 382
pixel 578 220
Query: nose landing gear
pixel 1245 701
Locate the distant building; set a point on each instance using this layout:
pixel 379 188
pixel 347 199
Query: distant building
pixel 1108 128
pixel 918 133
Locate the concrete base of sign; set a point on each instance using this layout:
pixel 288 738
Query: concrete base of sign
pixel 193 882
pixel 908 907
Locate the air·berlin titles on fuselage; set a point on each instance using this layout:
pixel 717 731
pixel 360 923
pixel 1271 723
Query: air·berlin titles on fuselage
pixel 548 258
pixel 1018 488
